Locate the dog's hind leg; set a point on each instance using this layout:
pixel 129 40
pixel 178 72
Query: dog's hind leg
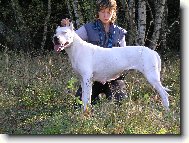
pixel 154 80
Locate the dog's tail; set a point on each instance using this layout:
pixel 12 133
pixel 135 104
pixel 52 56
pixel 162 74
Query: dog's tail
pixel 159 61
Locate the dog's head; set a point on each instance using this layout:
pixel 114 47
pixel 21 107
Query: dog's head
pixel 63 37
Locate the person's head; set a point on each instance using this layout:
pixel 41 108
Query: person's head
pixel 106 10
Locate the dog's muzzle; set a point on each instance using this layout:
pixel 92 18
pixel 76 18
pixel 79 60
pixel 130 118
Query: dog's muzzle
pixel 57 45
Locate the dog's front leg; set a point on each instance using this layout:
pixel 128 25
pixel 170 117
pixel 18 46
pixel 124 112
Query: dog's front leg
pixel 86 91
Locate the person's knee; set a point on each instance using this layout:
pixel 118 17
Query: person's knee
pixel 118 90
pixel 79 92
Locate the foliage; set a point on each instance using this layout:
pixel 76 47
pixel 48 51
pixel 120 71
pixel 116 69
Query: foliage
pixel 22 25
pixel 37 97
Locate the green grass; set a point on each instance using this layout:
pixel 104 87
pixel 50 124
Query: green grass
pixel 37 97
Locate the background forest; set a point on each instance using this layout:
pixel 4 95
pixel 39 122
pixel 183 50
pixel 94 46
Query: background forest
pixel 30 24
pixel 37 85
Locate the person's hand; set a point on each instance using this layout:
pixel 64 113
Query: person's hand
pixel 65 22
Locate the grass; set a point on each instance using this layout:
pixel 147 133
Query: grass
pixel 37 97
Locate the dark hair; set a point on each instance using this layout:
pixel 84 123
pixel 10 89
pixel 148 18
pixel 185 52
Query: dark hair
pixel 111 4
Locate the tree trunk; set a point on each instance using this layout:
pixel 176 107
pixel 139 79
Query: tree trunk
pixel 159 10
pixel 24 34
pixel 78 16
pixel 129 8
pixel 69 8
pixel 132 23
pixel 45 25
pixel 141 22
pixel 164 29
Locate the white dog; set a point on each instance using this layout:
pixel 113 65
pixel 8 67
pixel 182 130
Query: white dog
pixel 94 63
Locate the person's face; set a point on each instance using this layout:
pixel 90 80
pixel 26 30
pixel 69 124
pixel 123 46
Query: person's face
pixel 105 15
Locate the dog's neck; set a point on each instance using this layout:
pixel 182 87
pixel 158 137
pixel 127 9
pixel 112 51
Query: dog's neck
pixel 77 40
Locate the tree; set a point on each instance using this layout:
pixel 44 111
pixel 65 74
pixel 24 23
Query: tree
pixel 24 38
pixel 141 22
pixel 45 25
pixel 30 24
pixel 159 11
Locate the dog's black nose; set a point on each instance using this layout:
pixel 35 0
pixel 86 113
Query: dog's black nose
pixel 56 40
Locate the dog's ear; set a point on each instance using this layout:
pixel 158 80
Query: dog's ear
pixel 71 26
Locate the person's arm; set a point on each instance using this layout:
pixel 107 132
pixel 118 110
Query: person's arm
pixel 123 42
pixel 82 33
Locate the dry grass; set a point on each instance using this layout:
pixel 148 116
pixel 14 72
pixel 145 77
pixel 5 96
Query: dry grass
pixel 37 97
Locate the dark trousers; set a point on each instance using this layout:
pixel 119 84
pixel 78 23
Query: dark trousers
pixel 113 90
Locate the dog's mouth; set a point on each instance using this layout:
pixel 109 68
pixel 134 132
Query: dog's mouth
pixel 65 44
pixel 60 47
